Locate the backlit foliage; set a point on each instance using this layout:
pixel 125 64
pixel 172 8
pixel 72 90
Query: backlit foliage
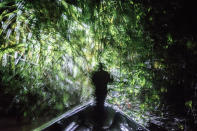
pixel 48 49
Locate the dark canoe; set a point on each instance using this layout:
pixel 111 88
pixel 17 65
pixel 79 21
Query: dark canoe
pixel 82 118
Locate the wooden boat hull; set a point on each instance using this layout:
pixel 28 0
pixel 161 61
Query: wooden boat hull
pixel 83 118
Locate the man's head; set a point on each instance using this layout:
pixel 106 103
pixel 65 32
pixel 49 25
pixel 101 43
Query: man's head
pixel 100 66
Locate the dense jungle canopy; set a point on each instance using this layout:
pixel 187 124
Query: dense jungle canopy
pixel 49 48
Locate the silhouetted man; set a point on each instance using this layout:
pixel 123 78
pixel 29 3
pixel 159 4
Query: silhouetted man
pixel 100 78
